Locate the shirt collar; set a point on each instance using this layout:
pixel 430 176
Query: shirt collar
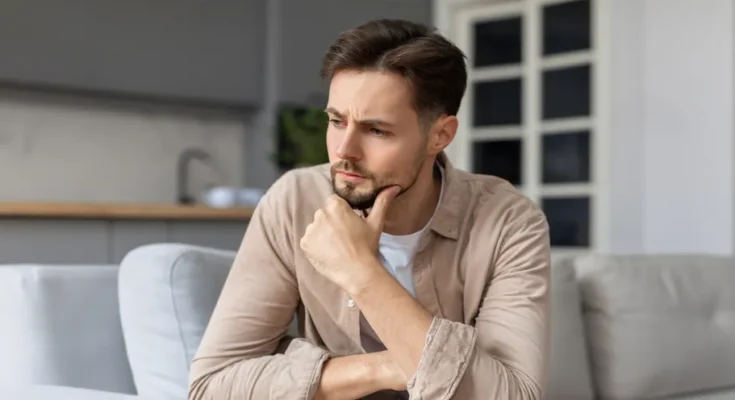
pixel 447 219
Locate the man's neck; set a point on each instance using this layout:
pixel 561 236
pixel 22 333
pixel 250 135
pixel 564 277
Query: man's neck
pixel 410 212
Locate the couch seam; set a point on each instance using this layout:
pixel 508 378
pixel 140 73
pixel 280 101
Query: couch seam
pixel 173 304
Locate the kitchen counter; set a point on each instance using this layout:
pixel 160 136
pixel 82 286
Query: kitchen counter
pixel 111 211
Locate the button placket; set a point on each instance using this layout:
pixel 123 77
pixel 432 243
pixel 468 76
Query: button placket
pixel 424 282
pixel 351 316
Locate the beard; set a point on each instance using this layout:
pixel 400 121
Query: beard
pixel 361 199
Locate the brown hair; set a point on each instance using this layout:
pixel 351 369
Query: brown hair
pixel 433 66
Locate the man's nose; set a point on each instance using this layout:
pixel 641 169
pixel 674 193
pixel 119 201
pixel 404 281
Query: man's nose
pixel 349 147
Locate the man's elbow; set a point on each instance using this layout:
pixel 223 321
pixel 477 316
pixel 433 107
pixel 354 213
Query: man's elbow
pixel 523 387
pixel 198 387
pixel 208 385
pixel 493 379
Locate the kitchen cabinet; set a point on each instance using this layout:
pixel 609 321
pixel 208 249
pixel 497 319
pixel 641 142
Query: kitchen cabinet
pixel 221 235
pixel 127 235
pixel 71 241
pixel 54 242
pixel 184 50
pixel 191 51
pixel 307 28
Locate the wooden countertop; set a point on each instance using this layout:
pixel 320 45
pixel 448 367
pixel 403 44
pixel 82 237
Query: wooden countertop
pixel 134 211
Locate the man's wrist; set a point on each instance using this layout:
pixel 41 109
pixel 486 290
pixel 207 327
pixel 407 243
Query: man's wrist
pixel 371 272
pixel 374 370
pixel 354 376
pixel 386 373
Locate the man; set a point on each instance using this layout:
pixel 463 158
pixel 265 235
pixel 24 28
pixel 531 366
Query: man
pixel 410 277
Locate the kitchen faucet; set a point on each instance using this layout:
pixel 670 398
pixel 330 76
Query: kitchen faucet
pixel 183 172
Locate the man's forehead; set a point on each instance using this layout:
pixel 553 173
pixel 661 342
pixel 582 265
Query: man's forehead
pixel 368 94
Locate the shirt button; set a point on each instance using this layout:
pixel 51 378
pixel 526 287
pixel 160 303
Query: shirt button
pixel 350 303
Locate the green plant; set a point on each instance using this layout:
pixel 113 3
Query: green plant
pixel 302 137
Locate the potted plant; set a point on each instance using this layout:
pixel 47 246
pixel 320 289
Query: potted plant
pixel 301 137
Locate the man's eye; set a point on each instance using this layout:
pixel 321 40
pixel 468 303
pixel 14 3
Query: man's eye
pixel 337 123
pixel 377 131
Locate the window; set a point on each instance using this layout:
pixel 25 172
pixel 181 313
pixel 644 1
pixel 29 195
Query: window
pixel 529 116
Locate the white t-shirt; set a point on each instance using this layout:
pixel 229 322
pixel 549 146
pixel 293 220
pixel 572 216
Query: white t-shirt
pixel 396 253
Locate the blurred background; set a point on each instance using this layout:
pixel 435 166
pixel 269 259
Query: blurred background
pixel 616 116
pixel 125 124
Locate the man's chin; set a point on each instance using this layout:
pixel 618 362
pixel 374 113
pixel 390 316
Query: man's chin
pixel 358 202
pixel 361 205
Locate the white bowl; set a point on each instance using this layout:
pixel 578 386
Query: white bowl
pixel 221 197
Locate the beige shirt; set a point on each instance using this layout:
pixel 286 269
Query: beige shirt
pixel 482 270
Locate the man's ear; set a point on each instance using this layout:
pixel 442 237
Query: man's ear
pixel 442 134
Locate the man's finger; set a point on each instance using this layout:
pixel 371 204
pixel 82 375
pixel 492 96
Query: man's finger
pixel 380 208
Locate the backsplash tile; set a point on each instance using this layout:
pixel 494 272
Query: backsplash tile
pixel 56 150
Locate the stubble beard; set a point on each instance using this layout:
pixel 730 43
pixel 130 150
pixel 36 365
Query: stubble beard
pixel 363 201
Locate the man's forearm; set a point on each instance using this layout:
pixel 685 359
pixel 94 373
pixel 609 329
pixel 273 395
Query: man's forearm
pixel 260 377
pixel 357 376
pixel 396 317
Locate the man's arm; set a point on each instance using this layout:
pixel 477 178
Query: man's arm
pixel 354 377
pixel 237 358
pixel 504 356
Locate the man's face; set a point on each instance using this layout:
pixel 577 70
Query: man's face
pixel 374 137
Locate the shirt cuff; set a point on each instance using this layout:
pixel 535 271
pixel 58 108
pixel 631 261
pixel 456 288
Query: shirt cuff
pixel 447 352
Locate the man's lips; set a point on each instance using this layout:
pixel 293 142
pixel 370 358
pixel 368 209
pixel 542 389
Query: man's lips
pixel 350 176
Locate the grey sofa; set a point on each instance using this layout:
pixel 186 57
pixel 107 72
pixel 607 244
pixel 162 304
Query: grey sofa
pixel 624 327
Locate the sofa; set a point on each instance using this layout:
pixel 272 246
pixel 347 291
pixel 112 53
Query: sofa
pixel 623 327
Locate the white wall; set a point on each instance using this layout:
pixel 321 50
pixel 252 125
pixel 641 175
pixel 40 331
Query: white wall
pixel 689 126
pixel 627 115
pixel 56 149
pixel 672 168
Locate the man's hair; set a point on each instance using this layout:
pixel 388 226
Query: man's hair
pixel 432 65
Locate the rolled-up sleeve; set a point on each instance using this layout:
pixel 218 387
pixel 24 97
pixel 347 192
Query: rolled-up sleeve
pixel 240 356
pixel 504 355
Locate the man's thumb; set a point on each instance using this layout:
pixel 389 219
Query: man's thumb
pixel 381 206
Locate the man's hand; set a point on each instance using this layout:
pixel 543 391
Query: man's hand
pixel 341 245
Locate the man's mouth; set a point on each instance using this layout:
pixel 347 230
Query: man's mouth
pixel 350 176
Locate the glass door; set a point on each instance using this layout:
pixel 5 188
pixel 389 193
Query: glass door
pixel 529 115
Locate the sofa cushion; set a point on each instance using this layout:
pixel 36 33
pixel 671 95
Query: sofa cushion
pixel 721 394
pixel 569 370
pixel 167 295
pixel 60 326
pixel 659 325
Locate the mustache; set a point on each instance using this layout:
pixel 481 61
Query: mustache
pixel 348 166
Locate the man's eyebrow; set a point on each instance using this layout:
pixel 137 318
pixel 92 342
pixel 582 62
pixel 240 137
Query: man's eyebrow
pixel 332 110
pixel 370 121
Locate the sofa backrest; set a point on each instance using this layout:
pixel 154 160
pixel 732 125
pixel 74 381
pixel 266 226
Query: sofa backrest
pixel 659 326
pixel 60 326
pixel 621 327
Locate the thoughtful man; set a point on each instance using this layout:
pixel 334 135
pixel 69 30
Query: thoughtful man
pixel 409 277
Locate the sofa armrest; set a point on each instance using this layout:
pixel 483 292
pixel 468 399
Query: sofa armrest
pixel 167 295
pixel 61 326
